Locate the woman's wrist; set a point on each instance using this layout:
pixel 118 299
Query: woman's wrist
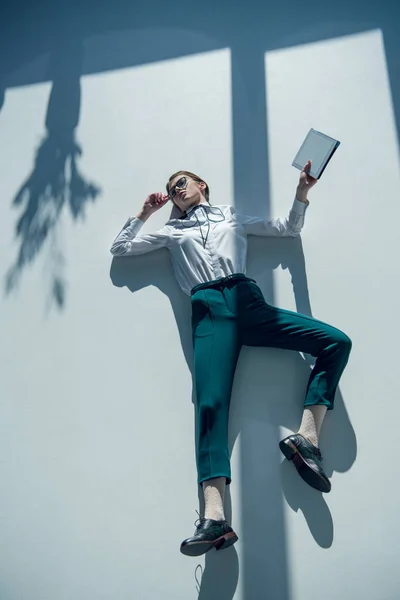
pixel 143 215
pixel 301 195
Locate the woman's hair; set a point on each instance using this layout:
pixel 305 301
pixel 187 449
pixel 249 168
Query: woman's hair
pixel 193 176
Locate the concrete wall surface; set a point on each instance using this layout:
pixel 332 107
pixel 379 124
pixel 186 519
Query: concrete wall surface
pixel 99 104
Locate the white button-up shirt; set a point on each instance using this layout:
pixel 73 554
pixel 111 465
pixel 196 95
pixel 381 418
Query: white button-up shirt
pixel 209 243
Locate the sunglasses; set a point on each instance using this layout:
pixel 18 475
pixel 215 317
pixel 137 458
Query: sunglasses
pixel 181 184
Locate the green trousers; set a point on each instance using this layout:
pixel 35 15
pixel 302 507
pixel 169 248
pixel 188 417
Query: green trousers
pixel 228 313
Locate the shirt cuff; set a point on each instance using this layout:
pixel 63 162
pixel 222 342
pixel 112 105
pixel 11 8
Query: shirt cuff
pixel 134 225
pixel 299 207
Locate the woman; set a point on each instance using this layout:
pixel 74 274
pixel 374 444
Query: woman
pixel 208 247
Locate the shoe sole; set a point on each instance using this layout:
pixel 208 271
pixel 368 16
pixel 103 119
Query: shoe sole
pixel 199 548
pixel 308 474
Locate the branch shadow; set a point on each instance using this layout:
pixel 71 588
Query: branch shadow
pixel 55 182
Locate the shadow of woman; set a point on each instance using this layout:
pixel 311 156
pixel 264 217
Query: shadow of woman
pixel 138 272
pixel 267 369
pixel 218 580
pixel 221 572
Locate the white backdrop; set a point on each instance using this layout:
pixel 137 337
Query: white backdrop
pixel 98 482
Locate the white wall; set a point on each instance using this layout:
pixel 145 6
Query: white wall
pixel 350 248
pixel 98 482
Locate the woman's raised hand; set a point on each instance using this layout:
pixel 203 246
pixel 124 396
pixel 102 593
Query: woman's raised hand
pixel 152 203
pixel 306 182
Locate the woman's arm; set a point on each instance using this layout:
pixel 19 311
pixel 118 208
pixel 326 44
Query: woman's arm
pixel 128 241
pixel 290 225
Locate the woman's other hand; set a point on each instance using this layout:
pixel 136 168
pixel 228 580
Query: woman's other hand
pixel 306 182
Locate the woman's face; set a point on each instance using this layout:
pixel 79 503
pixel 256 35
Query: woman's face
pixel 189 194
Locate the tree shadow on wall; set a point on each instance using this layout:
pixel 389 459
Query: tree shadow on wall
pixel 55 182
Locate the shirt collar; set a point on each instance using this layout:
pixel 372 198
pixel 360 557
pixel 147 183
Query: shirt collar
pixel 192 208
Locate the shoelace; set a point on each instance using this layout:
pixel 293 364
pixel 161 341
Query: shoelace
pixel 198 521
pixel 317 452
pixel 310 448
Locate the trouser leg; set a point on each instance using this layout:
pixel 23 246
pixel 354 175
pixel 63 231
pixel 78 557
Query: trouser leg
pixel 265 325
pixel 216 350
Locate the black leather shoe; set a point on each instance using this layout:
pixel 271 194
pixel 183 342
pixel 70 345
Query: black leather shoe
pixel 307 459
pixel 209 534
